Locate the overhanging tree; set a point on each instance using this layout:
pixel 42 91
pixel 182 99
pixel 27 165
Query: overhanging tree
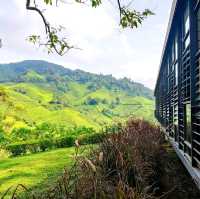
pixel 128 18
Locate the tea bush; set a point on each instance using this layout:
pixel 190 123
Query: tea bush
pixel 34 146
pixel 64 142
pixel 17 148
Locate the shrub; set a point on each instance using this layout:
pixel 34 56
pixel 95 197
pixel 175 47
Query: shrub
pixel 45 144
pixel 126 165
pixel 21 148
pixel 91 101
pixel 134 153
pixel 20 134
pixel 17 148
pixel 91 138
pixel 3 138
pixel 33 147
pixel 64 142
pixel 80 130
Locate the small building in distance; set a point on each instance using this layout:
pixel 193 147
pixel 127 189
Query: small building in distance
pixel 177 90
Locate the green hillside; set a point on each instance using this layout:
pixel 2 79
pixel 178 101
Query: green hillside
pixel 36 92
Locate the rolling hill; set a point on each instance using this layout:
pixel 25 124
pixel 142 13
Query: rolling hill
pixel 34 92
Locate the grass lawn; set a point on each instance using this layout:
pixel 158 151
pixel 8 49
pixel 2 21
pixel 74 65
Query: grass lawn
pixel 33 170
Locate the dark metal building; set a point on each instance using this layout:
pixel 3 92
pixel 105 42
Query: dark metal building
pixel 177 89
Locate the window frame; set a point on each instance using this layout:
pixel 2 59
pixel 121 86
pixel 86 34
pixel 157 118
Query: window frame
pixel 186 27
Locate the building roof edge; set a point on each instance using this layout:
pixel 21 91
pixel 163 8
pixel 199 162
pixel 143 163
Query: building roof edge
pixel 173 8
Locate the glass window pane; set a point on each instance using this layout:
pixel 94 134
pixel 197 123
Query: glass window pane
pixel 173 52
pixel 198 22
pixel 198 27
pixel 187 42
pixel 187 25
pixel 198 14
pixel 176 122
pixel 176 74
pixel 198 34
pixel 168 65
pixel 188 123
pixel 176 48
pixel 186 22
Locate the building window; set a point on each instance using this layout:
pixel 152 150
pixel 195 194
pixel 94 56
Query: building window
pixel 188 130
pixel 186 21
pixel 173 54
pixel 168 66
pixel 187 42
pixel 198 27
pixel 176 74
pixel 176 48
pixel 176 122
pixel 186 28
pixel 187 25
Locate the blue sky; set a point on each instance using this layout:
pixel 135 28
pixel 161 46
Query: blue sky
pixel 105 48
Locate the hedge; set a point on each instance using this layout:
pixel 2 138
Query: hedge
pixel 91 139
pixel 64 142
pixel 34 146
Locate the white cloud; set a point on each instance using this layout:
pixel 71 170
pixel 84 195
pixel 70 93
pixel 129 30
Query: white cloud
pixel 83 22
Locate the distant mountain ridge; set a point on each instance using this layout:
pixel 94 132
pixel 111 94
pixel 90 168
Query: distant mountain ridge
pixel 36 92
pixel 53 73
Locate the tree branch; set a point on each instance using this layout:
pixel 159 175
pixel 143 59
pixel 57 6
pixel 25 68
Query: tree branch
pixel 28 7
pixel 128 19
pixel 50 32
pixel 120 8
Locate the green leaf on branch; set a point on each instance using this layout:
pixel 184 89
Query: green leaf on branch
pixel 147 13
pixel 95 3
pixel 34 39
pixel 48 2
pixel 132 19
